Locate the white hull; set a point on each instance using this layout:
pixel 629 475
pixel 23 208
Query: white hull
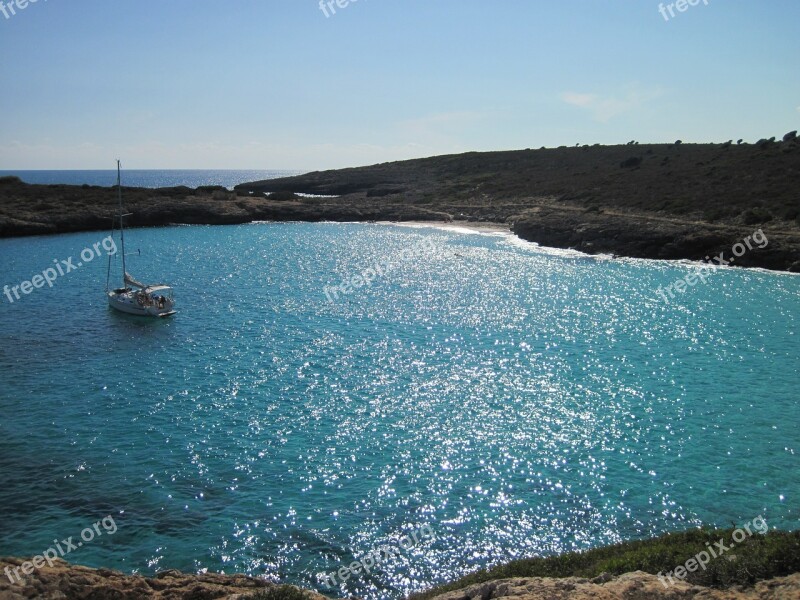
pixel 136 298
pixel 127 301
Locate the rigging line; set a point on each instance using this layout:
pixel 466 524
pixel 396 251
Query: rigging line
pixel 108 273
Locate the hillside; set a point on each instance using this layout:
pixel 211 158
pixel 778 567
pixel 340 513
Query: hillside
pixel 652 201
pixel 667 201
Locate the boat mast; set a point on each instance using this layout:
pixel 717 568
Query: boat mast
pixel 121 227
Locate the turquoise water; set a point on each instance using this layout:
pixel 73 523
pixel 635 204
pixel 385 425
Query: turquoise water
pixel 519 401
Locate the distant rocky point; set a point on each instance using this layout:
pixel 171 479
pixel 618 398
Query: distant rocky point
pixel 663 201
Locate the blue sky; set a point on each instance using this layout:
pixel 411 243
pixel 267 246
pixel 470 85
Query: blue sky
pixel 275 84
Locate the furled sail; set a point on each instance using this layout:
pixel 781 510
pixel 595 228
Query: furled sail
pixel 131 281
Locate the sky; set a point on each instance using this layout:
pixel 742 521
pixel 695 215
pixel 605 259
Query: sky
pixel 282 84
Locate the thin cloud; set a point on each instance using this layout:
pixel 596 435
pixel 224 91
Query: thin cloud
pixel 447 131
pixel 443 121
pixel 582 100
pixel 605 108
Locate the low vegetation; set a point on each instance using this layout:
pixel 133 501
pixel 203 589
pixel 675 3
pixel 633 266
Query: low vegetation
pixel 759 557
pixel 281 592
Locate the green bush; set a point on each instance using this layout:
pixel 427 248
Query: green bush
pixel 755 215
pixel 714 214
pixel 281 592
pixel 282 196
pixel 759 557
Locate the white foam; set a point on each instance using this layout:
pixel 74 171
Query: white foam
pixel 476 230
pixel 518 242
pixel 514 240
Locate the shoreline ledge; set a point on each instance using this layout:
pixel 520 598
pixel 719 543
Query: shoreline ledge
pixel 63 580
pixel 762 567
pixel 656 201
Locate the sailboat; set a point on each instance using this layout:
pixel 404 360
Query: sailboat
pixel 135 298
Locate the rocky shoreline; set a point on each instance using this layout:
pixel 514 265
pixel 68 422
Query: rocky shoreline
pixel 629 586
pixel 660 201
pixel 64 581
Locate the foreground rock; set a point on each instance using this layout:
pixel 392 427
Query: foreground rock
pixel 630 586
pixel 63 581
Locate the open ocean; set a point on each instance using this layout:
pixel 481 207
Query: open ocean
pixel 150 178
pixel 514 400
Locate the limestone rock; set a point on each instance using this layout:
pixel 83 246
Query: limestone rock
pixel 63 581
pixel 630 586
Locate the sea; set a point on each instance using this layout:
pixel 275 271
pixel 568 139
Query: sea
pixel 152 178
pixel 326 390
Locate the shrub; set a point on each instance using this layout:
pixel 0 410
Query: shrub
pixel 176 191
pixel 756 215
pixel 210 189
pixel 282 196
pixel 715 214
pixel 281 592
pixel 775 554
pixel 633 161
